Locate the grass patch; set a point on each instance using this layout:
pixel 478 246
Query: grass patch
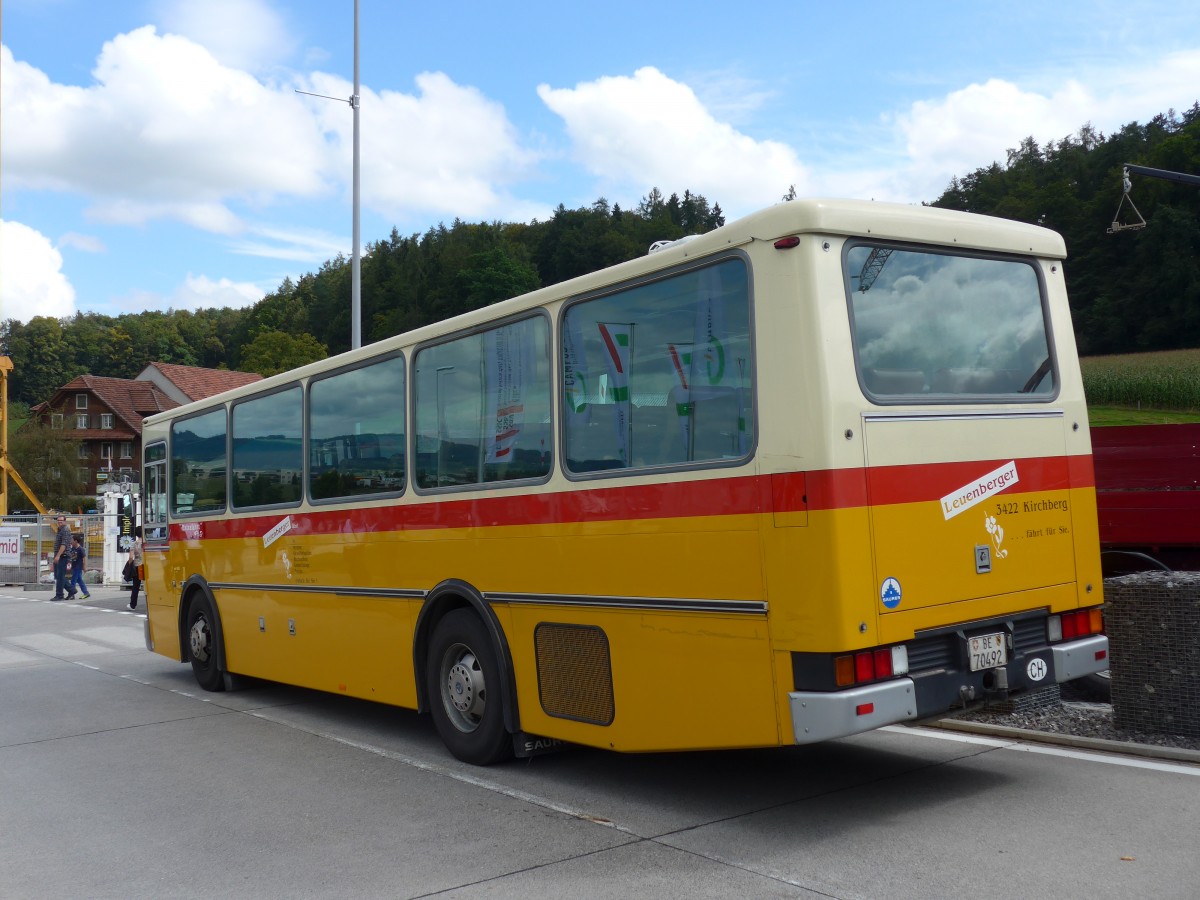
pixel 1115 415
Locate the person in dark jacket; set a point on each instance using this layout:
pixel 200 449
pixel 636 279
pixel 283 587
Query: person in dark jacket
pixel 139 570
pixel 62 544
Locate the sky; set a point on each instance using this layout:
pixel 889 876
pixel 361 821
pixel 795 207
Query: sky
pixel 158 154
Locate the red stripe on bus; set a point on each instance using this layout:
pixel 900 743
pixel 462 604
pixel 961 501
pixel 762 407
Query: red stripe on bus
pixel 912 484
pixel 745 495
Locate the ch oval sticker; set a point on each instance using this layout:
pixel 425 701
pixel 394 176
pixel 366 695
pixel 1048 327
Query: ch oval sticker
pixel 1037 669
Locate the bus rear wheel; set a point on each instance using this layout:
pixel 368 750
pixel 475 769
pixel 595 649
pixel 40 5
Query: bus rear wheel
pixel 202 643
pixel 463 684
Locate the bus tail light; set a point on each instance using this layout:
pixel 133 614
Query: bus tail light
pixel 843 668
pixel 864 666
pixel 1076 624
pixel 870 665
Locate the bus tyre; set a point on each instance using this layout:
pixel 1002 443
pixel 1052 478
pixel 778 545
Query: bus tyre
pixel 463 685
pixel 202 642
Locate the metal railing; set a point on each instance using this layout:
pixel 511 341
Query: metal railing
pixel 35 536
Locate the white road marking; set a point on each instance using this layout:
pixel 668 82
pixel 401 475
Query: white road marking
pixel 126 637
pixel 464 777
pixel 14 657
pixel 56 645
pixel 1085 755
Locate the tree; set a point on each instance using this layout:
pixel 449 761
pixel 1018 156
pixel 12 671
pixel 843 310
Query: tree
pixel 42 361
pixel 273 352
pixel 1130 290
pixel 48 461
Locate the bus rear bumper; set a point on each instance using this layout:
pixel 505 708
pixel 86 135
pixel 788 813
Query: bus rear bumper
pixel 1079 658
pixel 818 716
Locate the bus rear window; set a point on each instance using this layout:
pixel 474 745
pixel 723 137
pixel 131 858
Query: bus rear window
pixel 937 326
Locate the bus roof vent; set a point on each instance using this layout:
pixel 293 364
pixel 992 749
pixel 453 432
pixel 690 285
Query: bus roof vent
pixel 663 245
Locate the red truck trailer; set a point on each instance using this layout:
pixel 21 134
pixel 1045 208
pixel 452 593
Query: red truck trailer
pixel 1148 496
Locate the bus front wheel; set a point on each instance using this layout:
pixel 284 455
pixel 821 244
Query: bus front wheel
pixel 463 682
pixel 202 643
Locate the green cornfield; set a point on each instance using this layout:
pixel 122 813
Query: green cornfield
pixel 1167 380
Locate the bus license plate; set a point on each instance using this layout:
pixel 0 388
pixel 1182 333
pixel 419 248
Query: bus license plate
pixel 987 651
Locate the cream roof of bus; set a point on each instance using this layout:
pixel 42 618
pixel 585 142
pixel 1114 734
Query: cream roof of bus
pixel 894 221
pixel 865 218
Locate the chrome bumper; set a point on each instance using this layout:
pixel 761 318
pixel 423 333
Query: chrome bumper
pixel 1078 658
pixel 820 716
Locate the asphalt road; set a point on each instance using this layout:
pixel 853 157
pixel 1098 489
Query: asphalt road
pixel 120 778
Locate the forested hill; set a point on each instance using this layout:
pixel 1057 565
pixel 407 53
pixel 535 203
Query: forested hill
pixel 406 282
pixel 1134 290
pixel 1131 290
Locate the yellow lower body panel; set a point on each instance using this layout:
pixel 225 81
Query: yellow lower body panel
pixel 679 680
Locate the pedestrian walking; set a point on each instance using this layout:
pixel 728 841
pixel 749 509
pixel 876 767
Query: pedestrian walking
pixel 139 570
pixel 78 568
pixel 62 543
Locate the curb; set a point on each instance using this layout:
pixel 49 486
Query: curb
pixel 1151 751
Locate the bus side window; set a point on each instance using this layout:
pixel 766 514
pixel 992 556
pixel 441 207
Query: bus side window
pixel 482 406
pixel 894 381
pixel 660 373
pixel 356 431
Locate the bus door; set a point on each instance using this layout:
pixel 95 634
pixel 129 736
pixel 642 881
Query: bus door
pixel 154 496
pixel 967 505
pixel 967 475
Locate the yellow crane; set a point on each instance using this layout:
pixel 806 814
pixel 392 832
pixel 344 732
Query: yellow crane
pixel 6 467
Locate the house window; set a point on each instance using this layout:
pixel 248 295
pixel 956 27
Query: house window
pixel 56 421
pixel 106 420
pixel 81 420
pixel 126 450
pixel 85 475
pixel 83 451
pixel 81 401
pixel 106 450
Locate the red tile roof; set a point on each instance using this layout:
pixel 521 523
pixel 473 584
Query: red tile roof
pixel 130 400
pixel 199 383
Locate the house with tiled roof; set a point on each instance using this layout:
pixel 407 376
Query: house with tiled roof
pixel 105 414
pixel 187 383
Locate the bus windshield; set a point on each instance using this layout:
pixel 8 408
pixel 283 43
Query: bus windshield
pixel 942 326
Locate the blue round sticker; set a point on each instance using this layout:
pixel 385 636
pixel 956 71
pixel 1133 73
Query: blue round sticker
pixel 890 593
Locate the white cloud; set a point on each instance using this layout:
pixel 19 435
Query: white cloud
pixel 165 131
pixel 169 131
pixel 445 150
pixel 648 130
pixel 86 242
pixel 976 125
pixel 32 282
pixel 295 245
pixel 242 34
pixel 201 292
pixel 196 292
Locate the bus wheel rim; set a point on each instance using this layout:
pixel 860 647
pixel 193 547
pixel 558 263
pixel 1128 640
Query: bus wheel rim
pixel 464 691
pixel 198 636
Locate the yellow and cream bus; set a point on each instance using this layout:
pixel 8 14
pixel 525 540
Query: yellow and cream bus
pixel 823 469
